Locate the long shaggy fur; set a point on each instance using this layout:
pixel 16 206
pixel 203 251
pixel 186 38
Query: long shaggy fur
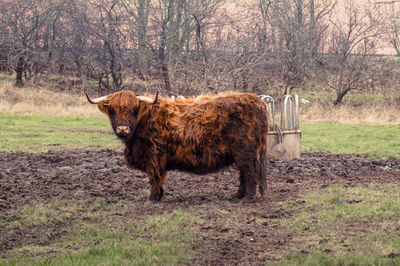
pixel 195 135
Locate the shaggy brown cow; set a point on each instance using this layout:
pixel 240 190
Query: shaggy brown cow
pixel 199 135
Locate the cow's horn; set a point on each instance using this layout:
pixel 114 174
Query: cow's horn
pixel 97 100
pixel 147 99
pixel 156 99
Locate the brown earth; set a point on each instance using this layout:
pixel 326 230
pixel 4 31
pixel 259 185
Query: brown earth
pixel 233 232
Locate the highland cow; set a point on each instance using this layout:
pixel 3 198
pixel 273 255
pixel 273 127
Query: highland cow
pixel 199 136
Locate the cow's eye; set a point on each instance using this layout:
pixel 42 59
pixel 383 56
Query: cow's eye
pixel 134 112
pixel 111 111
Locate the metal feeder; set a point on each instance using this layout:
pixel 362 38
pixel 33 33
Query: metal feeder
pixel 284 140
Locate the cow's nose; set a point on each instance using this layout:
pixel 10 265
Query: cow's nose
pixel 122 130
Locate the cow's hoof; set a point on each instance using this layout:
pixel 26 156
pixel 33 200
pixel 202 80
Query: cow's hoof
pixel 249 198
pixel 155 197
pixel 239 194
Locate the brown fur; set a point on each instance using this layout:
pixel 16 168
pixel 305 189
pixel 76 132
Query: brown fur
pixel 194 135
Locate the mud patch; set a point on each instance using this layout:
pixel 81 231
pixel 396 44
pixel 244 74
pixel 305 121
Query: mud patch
pixel 232 232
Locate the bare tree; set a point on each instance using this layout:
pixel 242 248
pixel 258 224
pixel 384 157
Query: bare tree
pixel 172 26
pixel 109 42
pixel 392 24
pixel 75 40
pixel 352 41
pixel 297 27
pixel 31 29
pixel 196 45
pixel 139 10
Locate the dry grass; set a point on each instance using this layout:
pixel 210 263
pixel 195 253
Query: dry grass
pixel 368 113
pixel 38 100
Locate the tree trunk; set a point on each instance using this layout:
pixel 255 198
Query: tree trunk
pixel 312 33
pixel 142 19
pixel 19 70
pixel 340 95
pixel 162 58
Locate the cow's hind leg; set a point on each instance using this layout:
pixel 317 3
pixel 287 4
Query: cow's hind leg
pixel 262 172
pixel 252 167
pixel 248 179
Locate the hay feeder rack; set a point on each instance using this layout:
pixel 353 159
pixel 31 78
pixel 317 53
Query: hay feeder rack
pixel 284 140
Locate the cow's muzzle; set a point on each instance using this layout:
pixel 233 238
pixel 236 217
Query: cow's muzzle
pixel 122 131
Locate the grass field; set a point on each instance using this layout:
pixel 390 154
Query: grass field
pixel 38 133
pixel 95 236
pixel 371 140
pixel 341 218
pixel 153 240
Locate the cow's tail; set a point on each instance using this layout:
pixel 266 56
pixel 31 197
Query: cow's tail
pixel 262 173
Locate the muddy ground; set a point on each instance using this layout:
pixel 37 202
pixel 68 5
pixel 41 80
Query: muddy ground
pixel 78 174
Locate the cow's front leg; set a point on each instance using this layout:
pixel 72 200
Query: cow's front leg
pixel 242 187
pixel 156 182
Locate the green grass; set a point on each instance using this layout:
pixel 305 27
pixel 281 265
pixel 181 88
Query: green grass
pixel 40 133
pixel 36 214
pixel 346 226
pixel 324 259
pixel 370 140
pixel 97 234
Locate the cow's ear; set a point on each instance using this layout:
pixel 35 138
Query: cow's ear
pixel 103 107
